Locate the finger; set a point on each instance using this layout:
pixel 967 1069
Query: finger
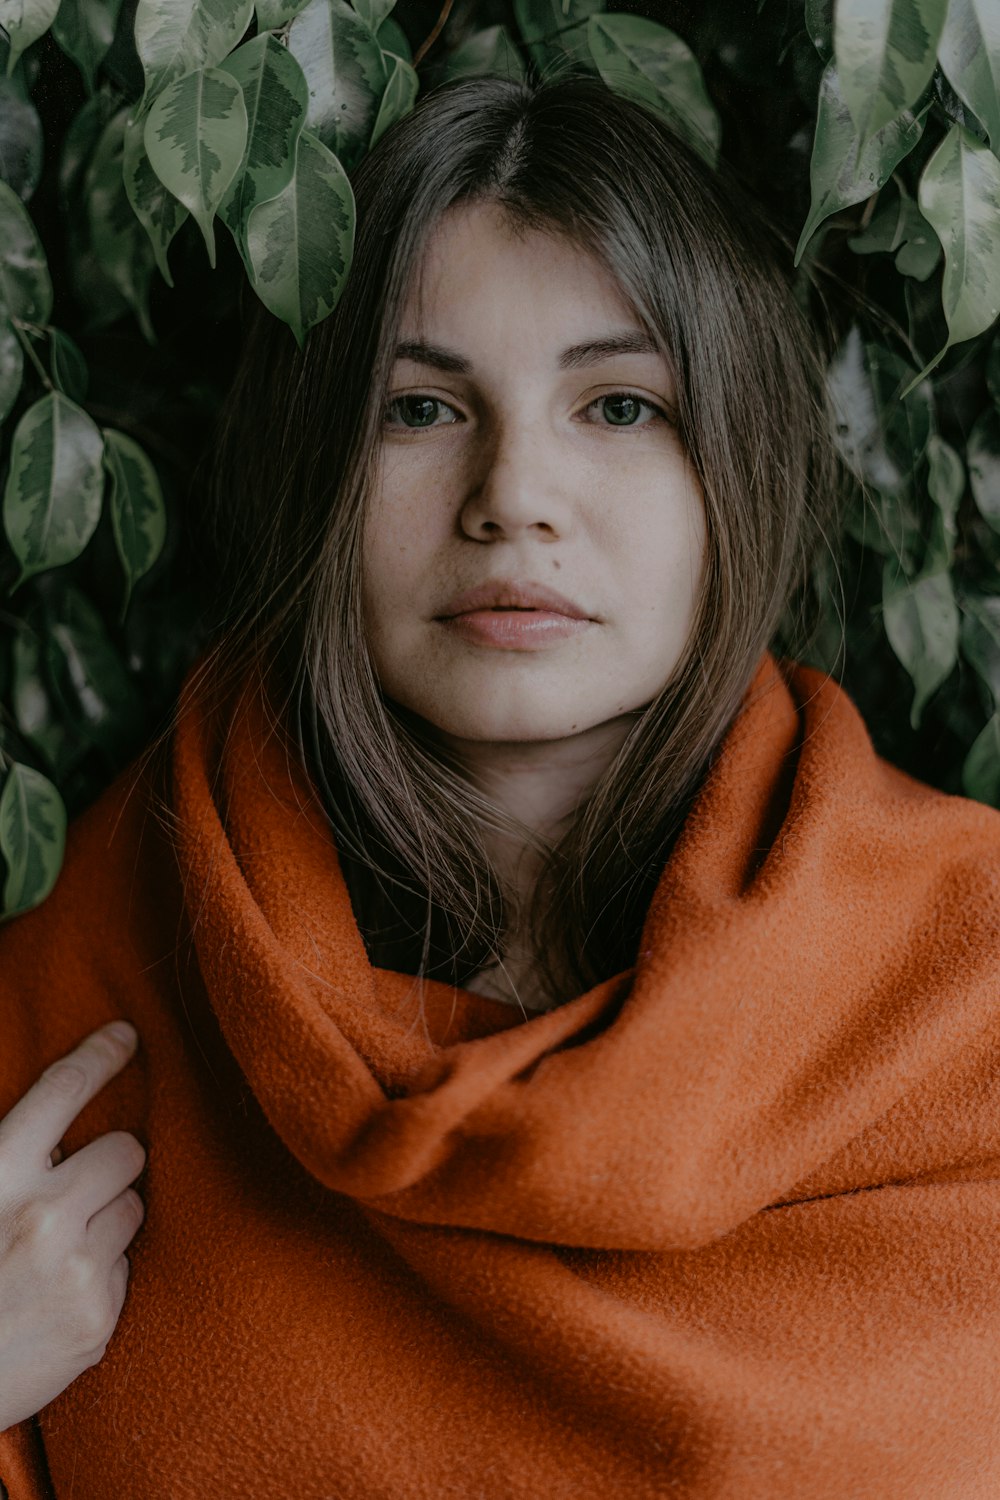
pixel 41 1117
pixel 96 1174
pixel 112 1230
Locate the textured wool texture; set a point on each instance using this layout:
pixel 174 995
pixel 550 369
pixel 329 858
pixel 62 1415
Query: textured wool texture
pixel 726 1226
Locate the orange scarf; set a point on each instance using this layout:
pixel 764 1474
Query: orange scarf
pixel 728 1225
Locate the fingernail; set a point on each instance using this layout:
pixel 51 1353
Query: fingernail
pixel 124 1032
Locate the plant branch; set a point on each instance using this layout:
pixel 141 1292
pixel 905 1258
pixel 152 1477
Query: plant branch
pixel 435 32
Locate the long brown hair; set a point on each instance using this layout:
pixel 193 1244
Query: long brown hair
pixel 293 463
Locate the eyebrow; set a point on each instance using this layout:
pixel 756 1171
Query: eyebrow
pixel 588 352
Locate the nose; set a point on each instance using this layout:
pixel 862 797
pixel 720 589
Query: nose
pixel 518 487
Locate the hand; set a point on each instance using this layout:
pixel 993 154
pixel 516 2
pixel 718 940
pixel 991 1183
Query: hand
pixel 64 1226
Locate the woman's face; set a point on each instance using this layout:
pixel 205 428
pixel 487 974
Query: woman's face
pixel 510 455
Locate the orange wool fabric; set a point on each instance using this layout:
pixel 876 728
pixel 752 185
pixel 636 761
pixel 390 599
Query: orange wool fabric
pixel 727 1226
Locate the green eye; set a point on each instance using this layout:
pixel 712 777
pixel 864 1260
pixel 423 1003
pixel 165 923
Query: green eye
pixel 422 408
pixel 628 408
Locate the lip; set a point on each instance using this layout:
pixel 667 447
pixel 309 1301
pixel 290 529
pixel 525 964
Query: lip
pixel 510 593
pixel 514 629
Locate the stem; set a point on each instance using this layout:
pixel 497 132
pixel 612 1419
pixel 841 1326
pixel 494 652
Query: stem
pixel 19 328
pixel 435 32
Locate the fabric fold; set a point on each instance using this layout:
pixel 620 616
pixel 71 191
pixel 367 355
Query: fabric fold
pixel 820 950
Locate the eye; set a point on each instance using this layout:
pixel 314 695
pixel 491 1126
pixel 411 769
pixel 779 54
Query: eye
pixel 624 407
pixel 419 407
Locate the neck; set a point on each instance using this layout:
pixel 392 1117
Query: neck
pixel 542 783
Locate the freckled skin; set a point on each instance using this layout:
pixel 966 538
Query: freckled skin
pixel 524 473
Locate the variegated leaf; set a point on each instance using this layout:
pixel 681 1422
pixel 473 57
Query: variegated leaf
pixel 52 500
pixel 345 72
pixel 195 136
pixel 969 53
pixel 841 171
pixel 644 61
pixel 374 12
pixel 157 210
pixel 25 284
pixel 24 22
pixel 273 14
pixel 885 52
pixel 301 242
pixel 11 367
pixel 32 838
pixel 173 37
pixel 276 97
pixel 960 197
pixel 138 516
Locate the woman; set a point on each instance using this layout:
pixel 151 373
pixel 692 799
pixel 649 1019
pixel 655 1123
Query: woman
pixel 567 1052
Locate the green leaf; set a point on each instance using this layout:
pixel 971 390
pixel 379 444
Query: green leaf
pixel 90 680
pixel 946 486
pixel 85 30
pixel 67 366
pixel 841 173
pixel 969 53
pixel 980 639
pixel 52 500
pixel 32 838
pixel 25 285
pixel 122 250
pixel 981 767
pixel 885 52
pixel 157 210
pixel 276 97
pixel 34 708
pixel 345 72
pixel 983 455
pixel 20 138
pixel 392 39
pixel 485 53
pixel 138 516
pixel 398 99
pixel 195 135
pixel 900 228
pixel 881 438
pixel 24 22
pixel 301 243
pixel 11 367
pixel 645 62
pixel 273 14
pixel 555 30
pixel 922 623
pixel 373 12
pixel 174 37
pixel 960 197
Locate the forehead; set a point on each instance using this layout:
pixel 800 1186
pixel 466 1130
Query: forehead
pixel 480 273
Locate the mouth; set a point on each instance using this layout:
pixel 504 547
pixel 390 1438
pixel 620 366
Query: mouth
pixel 513 627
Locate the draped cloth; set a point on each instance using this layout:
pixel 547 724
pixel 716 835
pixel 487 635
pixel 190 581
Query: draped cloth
pixel 725 1226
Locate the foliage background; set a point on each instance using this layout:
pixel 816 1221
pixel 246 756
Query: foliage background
pixel 202 141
